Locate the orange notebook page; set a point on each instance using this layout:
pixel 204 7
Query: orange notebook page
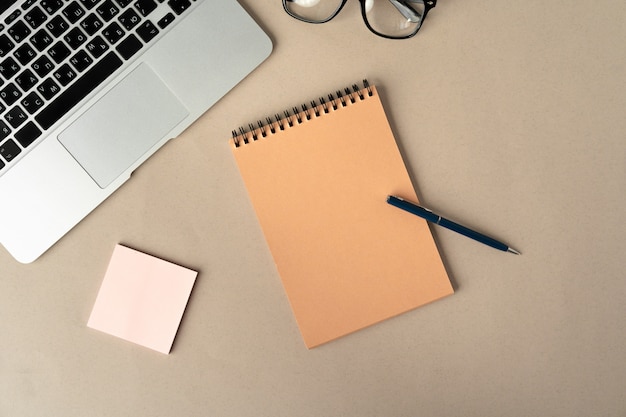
pixel 346 258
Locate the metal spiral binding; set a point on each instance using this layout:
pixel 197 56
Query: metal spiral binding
pixel 307 112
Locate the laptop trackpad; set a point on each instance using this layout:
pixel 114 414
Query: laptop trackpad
pixel 123 125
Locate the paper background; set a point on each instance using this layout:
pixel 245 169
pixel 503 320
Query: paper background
pixel 511 119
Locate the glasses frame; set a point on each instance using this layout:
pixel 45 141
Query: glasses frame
pixel 428 4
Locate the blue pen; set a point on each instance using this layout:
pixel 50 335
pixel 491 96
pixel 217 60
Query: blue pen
pixel 428 215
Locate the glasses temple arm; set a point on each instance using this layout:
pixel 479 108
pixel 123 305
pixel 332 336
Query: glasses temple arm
pixel 408 12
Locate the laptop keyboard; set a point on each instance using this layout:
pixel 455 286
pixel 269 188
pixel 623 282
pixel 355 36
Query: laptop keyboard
pixel 53 53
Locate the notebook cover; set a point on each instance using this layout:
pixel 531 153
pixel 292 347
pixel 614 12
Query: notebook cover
pixel 347 259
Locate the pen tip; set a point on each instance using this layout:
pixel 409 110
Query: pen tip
pixel 511 250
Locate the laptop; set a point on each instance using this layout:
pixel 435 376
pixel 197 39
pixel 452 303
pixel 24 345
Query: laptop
pixel 90 89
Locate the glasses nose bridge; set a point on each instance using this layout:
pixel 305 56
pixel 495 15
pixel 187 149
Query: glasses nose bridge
pixel 384 23
pixel 343 3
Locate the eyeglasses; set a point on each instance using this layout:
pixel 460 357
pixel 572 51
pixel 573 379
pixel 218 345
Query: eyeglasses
pixel 393 19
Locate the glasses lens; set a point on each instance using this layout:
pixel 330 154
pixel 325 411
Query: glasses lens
pixel 395 18
pixel 315 11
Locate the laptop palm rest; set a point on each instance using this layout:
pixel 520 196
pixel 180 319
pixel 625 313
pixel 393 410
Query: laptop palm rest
pixel 123 125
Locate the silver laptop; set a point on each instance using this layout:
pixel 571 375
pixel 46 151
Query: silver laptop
pixel 89 89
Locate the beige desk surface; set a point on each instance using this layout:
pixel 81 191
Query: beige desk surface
pixel 511 116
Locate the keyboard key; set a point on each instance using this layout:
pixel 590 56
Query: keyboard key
pixel 74 12
pixel 91 24
pixel 81 61
pixel 97 47
pixel 57 26
pixel 107 10
pixel 35 17
pixel 6 44
pixel 8 68
pixel 147 31
pixel 32 102
pixel 9 150
pixel 48 89
pixel 5 130
pixel 59 52
pixel 27 135
pixel 10 94
pixel 179 6
pixel 89 4
pixel 51 6
pixel 145 7
pixel 2 164
pixel 129 46
pixel 41 40
pixel 64 75
pixel 42 66
pixel 19 31
pixel 79 90
pixel 12 17
pixel 26 80
pixel 123 3
pixel 25 54
pixel 75 38
pixel 16 116
pixel 113 33
pixel 129 19
pixel 28 3
pixel 166 20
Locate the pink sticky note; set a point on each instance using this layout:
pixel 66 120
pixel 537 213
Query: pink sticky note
pixel 142 299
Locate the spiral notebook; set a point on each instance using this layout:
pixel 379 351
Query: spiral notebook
pixel 318 178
